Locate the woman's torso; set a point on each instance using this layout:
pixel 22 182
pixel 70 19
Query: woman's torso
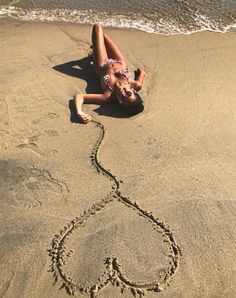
pixel 111 72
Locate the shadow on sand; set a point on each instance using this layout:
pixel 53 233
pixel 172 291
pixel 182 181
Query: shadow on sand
pixel 83 69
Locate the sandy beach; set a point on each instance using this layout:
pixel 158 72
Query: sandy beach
pixel 62 225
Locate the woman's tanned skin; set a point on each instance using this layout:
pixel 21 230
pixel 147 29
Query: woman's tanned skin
pixel 122 90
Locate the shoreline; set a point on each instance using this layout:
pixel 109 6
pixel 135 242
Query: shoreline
pixel 138 27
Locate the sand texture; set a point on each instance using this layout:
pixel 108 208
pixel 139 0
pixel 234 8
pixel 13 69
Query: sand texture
pixel 120 207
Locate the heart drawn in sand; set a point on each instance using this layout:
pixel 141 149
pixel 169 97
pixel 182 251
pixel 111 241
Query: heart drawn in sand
pixel 135 251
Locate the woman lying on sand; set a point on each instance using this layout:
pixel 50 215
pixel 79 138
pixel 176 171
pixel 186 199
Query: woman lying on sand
pixel 115 78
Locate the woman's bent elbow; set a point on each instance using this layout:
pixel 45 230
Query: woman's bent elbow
pixel 76 96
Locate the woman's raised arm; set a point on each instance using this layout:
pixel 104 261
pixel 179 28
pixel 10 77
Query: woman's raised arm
pixel 137 83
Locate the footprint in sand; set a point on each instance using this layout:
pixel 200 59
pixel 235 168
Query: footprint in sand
pixel 32 147
pixel 52 115
pixel 27 187
pixel 49 115
pixel 120 244
pixel 31 143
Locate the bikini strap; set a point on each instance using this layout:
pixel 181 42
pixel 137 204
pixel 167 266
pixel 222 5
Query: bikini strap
pixel 125 73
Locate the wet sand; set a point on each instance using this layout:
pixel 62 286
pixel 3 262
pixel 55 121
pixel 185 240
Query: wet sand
pixel 166 230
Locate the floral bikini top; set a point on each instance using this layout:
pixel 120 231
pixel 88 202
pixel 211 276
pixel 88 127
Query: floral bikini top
pixel 124 72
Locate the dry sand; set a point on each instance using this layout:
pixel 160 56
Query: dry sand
pixel 176 160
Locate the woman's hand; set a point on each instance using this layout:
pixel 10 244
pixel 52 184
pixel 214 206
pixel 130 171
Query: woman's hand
pixel 85 118
pixel 139 71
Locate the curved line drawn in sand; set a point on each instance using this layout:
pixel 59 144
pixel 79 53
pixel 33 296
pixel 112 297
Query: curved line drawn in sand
pixel 113 273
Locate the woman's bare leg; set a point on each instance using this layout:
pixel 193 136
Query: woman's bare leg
pixel 113 51
pixel 99 49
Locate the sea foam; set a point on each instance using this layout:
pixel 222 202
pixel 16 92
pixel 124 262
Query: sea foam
pixel 135 21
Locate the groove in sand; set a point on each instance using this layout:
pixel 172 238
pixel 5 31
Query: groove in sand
pixel 113 273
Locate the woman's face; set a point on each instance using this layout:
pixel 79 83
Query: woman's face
pixel 124 93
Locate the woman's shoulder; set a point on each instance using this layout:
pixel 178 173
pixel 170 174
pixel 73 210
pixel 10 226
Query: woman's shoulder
pixel 109 95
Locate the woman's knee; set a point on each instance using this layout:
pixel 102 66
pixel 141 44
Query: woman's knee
pixel 97 28
pixel 97 34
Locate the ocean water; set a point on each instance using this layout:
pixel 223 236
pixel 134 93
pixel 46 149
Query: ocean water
pixel 154 16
